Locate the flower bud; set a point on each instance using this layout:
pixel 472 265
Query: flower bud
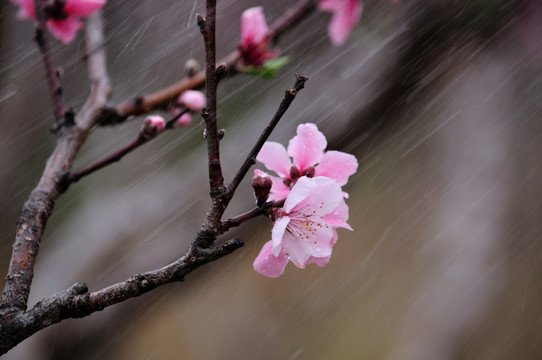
pixel 295 173
pixel 192 99
pixel 261 183
pixel 309 171
pixel 153 125
pixel 185 119
pixel 191 67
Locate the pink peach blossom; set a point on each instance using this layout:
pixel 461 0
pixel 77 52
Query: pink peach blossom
pixel 346 14
pixel 192 99
pixel 309 158
pixel 301 233
pixel 63 23
pixel 255 39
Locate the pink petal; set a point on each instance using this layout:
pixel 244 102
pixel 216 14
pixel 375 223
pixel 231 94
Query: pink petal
pixel 253 26
pixel 258 172
pixel 64 29
pixel 339 216
pixel 343 21
pixel 279 190
pixel 299 192
pixel 274 156
pixel 307 147
pixel 334 238
pixel 323 197
pixel 330 5
pixel 193 99
pixel 82 8
pixel 278 233
pixel 299 249
pixel 268 264
pixel 337 165
pixel 185 119
pixel 318 261
pixel 27 10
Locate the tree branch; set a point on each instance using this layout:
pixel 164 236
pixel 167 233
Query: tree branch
pixel 39 206
pixel 42 39
pixel 142 138
pixel 212 77
pixel 77 302
pixel 289 96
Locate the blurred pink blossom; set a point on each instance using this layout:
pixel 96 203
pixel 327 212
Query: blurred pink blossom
pixel 154 122
pixel 309 159
pixel 185 119
pixel 302 234
pixel 64 18
pixel 255 40
pixel 192 99
pixel 346 14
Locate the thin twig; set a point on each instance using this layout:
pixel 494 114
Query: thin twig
pixel 161 98
pixel 42 39
pixel 208 28
pixel 289 96
pixel 117 155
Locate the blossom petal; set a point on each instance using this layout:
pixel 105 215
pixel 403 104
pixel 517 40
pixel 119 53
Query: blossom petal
pixel 82 8
pixel 193 99
pixel 27 9
pixel 65 29
pixel 279 190
pixel 339 216
pixel 267 264
pixel 274 156
pixel 307 147
pixel 278 233
pixel 253 26
pixel 343 21
pixel 299 249
pixel 318 261
pixel 299 192
pixel 323 196
pixel 337 165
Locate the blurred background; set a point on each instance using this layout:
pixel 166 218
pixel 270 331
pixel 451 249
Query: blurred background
pixel 440 101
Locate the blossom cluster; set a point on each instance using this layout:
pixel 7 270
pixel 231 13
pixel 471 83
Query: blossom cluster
pixel 304 230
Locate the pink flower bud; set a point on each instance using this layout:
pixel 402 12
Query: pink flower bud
pixel 192 99
pixel 261 183
pixel 294 173
pixel 154 123
pixel 254 38
pixel 185 119
pixel 309 171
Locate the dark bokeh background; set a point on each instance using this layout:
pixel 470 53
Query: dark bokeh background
pixel 441 101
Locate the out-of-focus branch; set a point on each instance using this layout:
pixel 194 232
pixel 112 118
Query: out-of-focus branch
pixel 42 39
pixel 39 206
pixel 161 98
